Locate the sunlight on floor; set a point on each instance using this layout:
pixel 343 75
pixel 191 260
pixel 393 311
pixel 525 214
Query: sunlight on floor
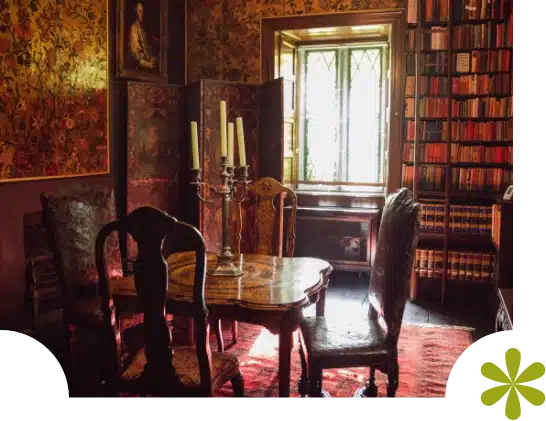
pixel 267 344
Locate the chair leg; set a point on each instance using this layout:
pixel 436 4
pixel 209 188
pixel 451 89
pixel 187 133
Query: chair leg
pixel 238 385
pixel 303 381
pixel 217 324
pixel 371 388
pixel 235 332
pixel 315 381
pixel 392 382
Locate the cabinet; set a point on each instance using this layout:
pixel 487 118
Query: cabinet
pixel 345 237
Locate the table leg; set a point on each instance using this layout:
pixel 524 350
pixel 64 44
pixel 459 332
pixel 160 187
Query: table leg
pixel 285 349
pixel 321 303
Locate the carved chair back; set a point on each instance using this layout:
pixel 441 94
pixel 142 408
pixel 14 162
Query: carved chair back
pixel 391 270
pixel 150 227
pixel 73 218
pixel 263 194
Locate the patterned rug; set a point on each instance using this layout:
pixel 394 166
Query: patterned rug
pixel 427 354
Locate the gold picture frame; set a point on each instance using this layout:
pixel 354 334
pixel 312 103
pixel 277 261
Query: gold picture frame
pixel 142 40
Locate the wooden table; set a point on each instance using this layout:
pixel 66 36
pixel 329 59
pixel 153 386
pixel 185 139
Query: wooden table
pixel 272 292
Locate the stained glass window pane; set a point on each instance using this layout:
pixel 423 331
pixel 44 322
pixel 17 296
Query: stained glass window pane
pixel 321 116
pixel 364 146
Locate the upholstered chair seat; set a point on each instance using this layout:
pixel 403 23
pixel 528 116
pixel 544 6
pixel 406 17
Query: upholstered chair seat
pixel 327 339
pixel 224 367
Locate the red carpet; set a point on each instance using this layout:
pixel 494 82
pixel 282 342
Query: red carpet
pixel 426 356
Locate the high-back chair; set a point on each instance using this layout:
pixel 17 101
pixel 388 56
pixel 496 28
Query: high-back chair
pixel 73 218
pixel 371 342
pixel 159 369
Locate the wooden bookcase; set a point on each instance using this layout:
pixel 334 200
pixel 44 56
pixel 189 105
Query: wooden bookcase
pixel 458 142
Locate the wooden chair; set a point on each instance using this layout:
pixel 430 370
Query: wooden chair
pixel 159 369
pixel 369 342
pixel 73 218
pixel 269 221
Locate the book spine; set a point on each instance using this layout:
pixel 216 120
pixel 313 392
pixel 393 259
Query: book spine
pixel 456 265
pixel 423 264
pixel 440 212
pixel 477 267
pixel 438 263
pixel 430 264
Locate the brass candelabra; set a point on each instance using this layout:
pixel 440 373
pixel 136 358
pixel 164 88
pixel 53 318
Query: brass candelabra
pixel 227 190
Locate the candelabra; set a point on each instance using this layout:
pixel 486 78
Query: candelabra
pixel 227 190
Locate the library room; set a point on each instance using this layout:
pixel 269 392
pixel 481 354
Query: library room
pixel 229 198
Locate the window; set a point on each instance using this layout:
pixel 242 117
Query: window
pixel 341 115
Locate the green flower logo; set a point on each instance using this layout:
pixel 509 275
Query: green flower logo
pixel 513 384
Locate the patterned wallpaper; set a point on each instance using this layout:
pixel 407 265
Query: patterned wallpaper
pixel 223 36
pixel 53 93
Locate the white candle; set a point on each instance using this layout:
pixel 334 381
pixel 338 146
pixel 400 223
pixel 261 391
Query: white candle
pixel 230 147
pixel 223 128
pixel 241 139
pixel 194 145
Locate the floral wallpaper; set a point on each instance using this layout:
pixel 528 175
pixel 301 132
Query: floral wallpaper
pixel 223 36
pixel 53 88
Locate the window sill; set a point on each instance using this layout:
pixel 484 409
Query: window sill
pixel 339 194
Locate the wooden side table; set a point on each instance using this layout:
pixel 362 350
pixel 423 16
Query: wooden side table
pixel 504 317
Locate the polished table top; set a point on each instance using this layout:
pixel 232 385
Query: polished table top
pixel 268 282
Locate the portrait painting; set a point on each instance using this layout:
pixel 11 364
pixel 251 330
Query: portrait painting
pixel 53 89
pixel 142 40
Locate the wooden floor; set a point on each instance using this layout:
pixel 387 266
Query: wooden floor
pixel 468 306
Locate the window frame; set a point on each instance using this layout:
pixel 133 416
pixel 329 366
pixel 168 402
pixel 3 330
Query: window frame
pixel 343 49
pixel 396 23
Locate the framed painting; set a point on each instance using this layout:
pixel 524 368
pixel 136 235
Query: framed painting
pixel 53 89
pixel 142 40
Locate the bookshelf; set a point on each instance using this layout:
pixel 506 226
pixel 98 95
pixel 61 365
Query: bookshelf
pixel 458 142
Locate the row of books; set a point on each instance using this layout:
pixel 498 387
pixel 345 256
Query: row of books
pixel 461 265
pixel 485 35
pixel 428 85
pixel 428 107
pixel 462 179
pixel 429 178
pixel 435 39
pixel 467 62
pixel 473 220
pixel 430 63
pixel 461 131
pixel 431 152
pixel 480 9
pixel 437 153
pixel 483 61
pixel 432 10
pixel 482 108
pixel 481 154
pixel 438 10
pixel 500 84
pixel 488 107
pixel 481 179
